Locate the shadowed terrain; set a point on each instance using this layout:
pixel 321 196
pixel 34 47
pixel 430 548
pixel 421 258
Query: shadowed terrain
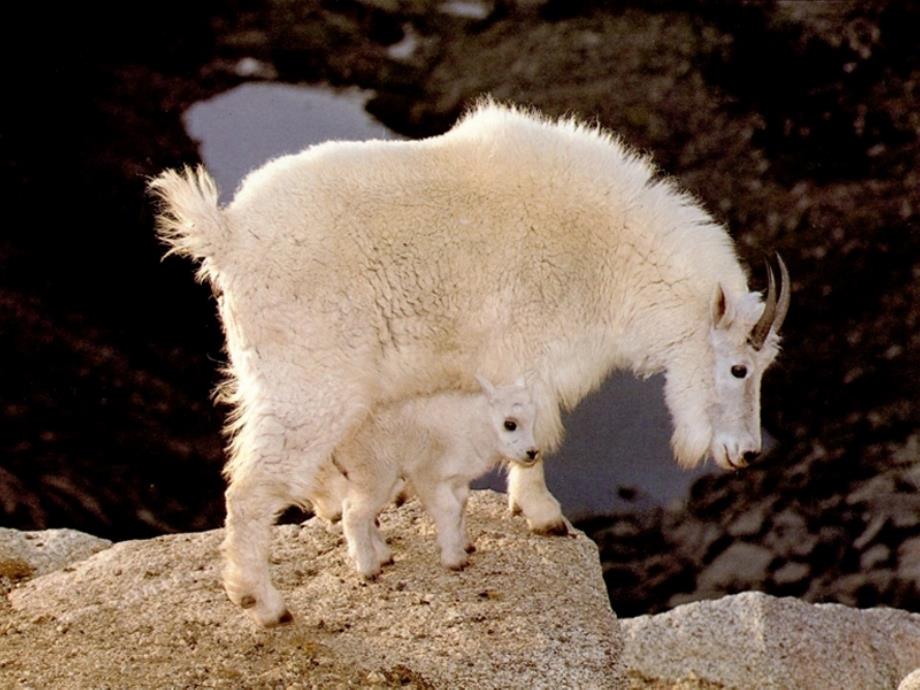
pixel 795 123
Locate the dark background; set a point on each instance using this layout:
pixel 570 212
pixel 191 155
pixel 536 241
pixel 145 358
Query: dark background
pixel 796 123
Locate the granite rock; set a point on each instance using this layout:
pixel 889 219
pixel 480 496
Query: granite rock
pixel 29 554
pixel 529 611
pixel 753 640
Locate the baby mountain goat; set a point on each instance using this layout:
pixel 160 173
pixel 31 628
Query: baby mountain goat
pixel 439 444
pixel 364 273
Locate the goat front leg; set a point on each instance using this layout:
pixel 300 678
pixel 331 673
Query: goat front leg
pixel 527 494
pixel 366 546
pixel 462 494
pixel 368 491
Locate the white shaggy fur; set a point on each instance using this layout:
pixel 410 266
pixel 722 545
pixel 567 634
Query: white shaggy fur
pixel 438 444
pixel 358 274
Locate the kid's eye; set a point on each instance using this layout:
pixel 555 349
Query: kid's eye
pixel 739 371
pixel 510 424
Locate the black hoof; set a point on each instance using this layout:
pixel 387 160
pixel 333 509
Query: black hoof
pixel 470 548
pixel 557 529
pixel 248 601
pixel 283 619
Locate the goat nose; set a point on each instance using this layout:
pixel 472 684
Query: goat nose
pixel 533 453
pixel 751 455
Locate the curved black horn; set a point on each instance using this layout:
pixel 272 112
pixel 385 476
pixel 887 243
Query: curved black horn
pixel 762 327
pixel 785 291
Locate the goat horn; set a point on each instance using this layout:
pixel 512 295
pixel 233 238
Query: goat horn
pixel 785 292
pixel 762 327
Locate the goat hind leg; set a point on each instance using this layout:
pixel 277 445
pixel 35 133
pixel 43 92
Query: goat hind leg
pixel 370 486
pixel 275 464
pixel 252 504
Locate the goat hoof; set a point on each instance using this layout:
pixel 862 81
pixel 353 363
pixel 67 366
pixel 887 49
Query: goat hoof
pixel 515 509
pixel 470 548
pixel 554 529
pixel 247 601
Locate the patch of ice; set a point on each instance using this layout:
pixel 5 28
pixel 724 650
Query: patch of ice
pixel 406 47
pixel 466 9
pixel 244 127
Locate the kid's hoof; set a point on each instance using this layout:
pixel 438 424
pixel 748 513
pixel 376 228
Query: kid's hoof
pixel 515 509
pixel 248 601
pixel 369 572
pixel 283 619
pixel 456 564
pixel 470 548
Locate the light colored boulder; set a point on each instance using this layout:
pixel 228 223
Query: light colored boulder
pixel 27 554
pixel 790 573
pixel 739 564
pixel 911 681
pixel 909 559
pixel 529 611
pixel 750 522
pixel 753 640
pixel 873 557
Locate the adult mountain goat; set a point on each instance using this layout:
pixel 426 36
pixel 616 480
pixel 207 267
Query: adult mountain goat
pixel 355 274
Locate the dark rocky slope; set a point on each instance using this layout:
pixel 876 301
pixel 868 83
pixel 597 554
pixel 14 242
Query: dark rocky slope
pixel 796 123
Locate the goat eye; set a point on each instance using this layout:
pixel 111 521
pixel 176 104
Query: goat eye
pixel 510 424
pixel 739 371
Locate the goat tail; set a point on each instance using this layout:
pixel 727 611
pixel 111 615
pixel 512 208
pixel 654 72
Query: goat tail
pixel 190 220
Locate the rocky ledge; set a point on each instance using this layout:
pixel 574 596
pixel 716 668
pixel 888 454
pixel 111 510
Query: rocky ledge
pixel 529 612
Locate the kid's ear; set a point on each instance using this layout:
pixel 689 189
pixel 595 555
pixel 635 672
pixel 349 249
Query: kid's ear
pixel 485 384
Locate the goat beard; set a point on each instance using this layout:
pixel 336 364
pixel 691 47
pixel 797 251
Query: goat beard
pixel 690 445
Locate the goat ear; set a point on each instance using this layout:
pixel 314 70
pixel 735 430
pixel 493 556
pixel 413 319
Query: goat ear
pixel 721 308
pixel 485 384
